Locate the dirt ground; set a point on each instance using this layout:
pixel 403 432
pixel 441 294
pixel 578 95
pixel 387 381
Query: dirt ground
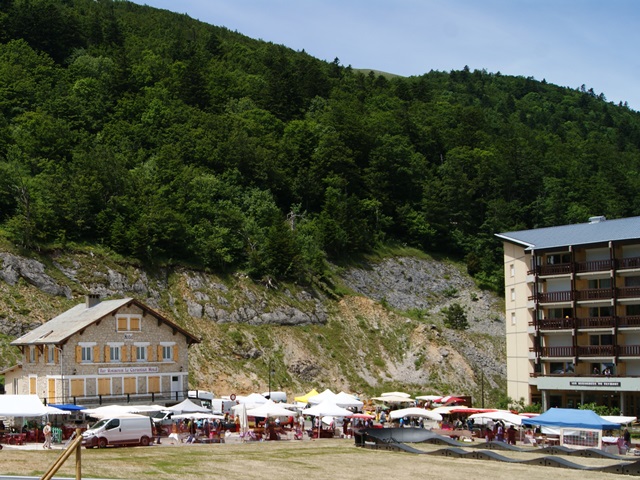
pixel 329 459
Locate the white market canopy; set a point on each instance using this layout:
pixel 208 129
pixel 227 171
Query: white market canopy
pixel 415 412
pixel 252 400
pixel 388 398
pixel 346 400
pixel 327 408
pixel 197 416
pixel 321 397
pixel 21 406
pixel 503 415
pixel 187 406
pixel 270 409
pixel 429 398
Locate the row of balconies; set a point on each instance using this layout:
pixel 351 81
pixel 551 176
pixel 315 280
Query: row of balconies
pixel 586 323
pixel 590 294
pixel 592 351
pixel 586 267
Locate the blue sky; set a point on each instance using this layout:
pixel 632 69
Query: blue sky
pixel 566 42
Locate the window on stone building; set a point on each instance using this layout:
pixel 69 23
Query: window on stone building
pixel 128 323
pixel 114 353
pixel 141 353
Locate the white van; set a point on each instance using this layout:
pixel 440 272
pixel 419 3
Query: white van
pixel 121 430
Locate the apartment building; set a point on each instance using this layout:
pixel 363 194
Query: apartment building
pixel 102 352
pixel 572 296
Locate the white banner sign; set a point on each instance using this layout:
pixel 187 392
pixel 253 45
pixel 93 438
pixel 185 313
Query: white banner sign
pixel 115 370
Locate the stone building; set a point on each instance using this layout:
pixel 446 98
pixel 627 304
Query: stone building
pixel 102 352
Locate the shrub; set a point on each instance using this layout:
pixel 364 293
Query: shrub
pixel 455 317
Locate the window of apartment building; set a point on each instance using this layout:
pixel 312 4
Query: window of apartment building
pixel 141 353
pixel 513 294
pixel 558 258
pixel 115 353
pixel 560 313
pixel 633 310
pixel 513 318
pixel 561 367
pixel 167 353
pixel 51 354
pixel 605 339
pixel 632 281
pixel 128 323
pixel 597 283
pixel 600 311
pixel 86 353
pixel 512 270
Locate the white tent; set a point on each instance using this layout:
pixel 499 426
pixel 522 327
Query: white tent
pixel 327 408
pixel 504 415
pixel 252 401
pixel 415 412
pixel 21 406
pixel 429 398
pixel 387 398
pixel 270 409
pixel 346 400
pixel 321 397
pixel 622 420
pixel 197 416
pixel 187 406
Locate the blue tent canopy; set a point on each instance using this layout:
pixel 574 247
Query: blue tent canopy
pixel 571 418
pixel 69 407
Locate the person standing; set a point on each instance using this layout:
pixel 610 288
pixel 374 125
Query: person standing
pixel 47 436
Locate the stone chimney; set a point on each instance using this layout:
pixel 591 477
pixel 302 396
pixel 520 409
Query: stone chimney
pixel 92 300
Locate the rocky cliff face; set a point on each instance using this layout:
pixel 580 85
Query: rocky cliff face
pixel 388 333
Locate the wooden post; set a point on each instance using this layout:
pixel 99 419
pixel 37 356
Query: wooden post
pixel 79 457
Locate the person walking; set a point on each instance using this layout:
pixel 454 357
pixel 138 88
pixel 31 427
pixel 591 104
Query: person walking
pixel 47 436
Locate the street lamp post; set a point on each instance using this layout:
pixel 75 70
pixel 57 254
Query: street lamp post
pixel 270 372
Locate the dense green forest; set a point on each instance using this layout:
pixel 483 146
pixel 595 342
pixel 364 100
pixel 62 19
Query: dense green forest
pixel 169 140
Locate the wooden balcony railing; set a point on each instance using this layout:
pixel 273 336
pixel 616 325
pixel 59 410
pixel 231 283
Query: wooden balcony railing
pixel 585 267
pixel 555 323
pixel 594 266
pixel 594 294
pixel 628 292
pixel 627 263
pixel 553 297
pixel 629 321
pixel 629 350
pixel 595 322
pixel 596 351
pixel 558 352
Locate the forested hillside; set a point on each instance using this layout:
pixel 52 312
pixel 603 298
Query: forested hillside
pixel 173 141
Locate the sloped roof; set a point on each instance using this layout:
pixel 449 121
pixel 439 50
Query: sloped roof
pixel 59 329
pixel 594 232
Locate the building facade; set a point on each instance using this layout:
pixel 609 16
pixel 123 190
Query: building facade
pixel 102 352
pixel 572 301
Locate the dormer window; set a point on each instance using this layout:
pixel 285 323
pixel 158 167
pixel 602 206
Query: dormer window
pixel 128 323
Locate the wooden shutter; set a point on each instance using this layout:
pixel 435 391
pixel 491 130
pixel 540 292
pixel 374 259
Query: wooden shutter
pixel 104 386
pixel 175 353
pixel 107 353
pixel 96 353
pixel 149 353
pixel 78 354
pixel 125 353
pixel 45 354
pixel 160 353
pixel 154 385
pixel 56 355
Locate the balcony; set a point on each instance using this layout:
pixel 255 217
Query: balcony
pixel 558 352
pixel 628 292
pixel 594 266
pixel 629 350
pixel 595 322
pixel 596 351
pixel 555 324
pixel 592 294
pixel 629 263
pixel 629 321
pixel 553 297
pixel 550 270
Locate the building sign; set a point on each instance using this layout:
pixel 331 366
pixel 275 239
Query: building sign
pixel 115 370
pixel 128 336
pixel 594 384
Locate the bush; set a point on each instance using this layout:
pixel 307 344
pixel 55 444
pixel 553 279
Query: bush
pixel 455 317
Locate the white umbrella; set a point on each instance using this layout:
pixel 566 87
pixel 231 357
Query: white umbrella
pixel 327 408
pixel 429 398
pixel 415 412
pixel 395 394
pixel 252 400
